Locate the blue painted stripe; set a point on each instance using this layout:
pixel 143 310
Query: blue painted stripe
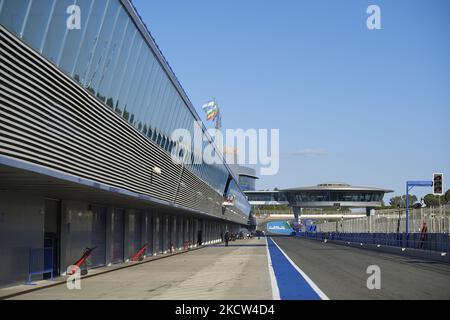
pixel 290 282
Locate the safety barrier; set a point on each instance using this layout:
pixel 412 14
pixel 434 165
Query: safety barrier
pixel 40 262
pixel 425 241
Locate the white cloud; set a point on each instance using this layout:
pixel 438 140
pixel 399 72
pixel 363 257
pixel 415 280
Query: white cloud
pixel 310 152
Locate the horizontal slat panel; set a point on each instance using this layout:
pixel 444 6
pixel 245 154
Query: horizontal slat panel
pixel 46 118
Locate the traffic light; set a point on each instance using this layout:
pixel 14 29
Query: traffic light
pixel 437 184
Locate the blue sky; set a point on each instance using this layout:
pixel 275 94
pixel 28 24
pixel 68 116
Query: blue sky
pixel 375 104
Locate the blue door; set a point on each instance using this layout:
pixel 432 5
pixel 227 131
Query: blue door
pixel 98 236
pixel 118 225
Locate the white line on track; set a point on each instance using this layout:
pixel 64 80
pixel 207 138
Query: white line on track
pixel 273 279
pixel 319 292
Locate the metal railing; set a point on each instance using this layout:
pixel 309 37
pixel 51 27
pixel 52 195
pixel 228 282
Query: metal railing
pixel 439 242
pixel 437 220
pixel 40 262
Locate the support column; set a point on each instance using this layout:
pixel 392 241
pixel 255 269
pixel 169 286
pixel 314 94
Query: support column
pixel 109 238
pixel 297 214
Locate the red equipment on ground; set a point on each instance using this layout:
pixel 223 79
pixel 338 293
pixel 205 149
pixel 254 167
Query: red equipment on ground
pixel 139 256
pixel 82 262
pixel 187 244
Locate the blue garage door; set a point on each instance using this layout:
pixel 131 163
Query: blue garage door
pixel 149 234
pixel 134 232
pixel 166 233
pixel 180 232
pixel 98 236
pixel 162 233
pixel 173 231
pixel 118 226
pixel 158 234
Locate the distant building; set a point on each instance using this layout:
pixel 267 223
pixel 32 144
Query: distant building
pixel 246 176
pixel 326 195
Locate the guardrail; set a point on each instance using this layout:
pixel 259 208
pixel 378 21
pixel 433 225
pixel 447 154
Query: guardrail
pixel 437 220
pixel 40 262
pixel 439 242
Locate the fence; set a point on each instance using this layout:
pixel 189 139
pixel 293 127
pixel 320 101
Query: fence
pixel 437 220
pixel 40 262
pixel 438 242
pixel 266 212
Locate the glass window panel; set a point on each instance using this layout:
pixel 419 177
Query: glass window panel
pixel 89 41
pixel 73 39
pixel 98 63
pixel 148 92
pixel 135 82
pixel 178 118
pixel 153 107
pixel 176 114
pixel 140 93
pixel 185 118
pixel 143 103
pixel 154 100
pixel 190 122
pixel 37 22
pixel 57 30
pixel 171 123
pixel 127 78
pixel 162 115
pixel 13 14
pixel 113 57
pixel 168 114
pixel 163 103
pixel 172 113
pixel 119 69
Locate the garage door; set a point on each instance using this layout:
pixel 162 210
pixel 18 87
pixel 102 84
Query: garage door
pixel 150 232
pixel 134 233
pixel 118 225
pixel 98 236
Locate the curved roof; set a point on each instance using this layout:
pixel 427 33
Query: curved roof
pixel 337 186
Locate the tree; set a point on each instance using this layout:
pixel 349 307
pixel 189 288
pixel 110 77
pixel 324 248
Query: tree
pixel 396 201
pixel 431 200
pixel 401 201
pixel 411 200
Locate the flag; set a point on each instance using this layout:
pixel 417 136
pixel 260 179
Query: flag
pixel 211 114
pixel 208 105
pixel 211 109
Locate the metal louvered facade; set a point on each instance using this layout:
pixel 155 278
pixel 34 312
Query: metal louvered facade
pixel 49 119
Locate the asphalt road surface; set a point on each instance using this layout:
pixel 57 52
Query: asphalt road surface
pixel 340 271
